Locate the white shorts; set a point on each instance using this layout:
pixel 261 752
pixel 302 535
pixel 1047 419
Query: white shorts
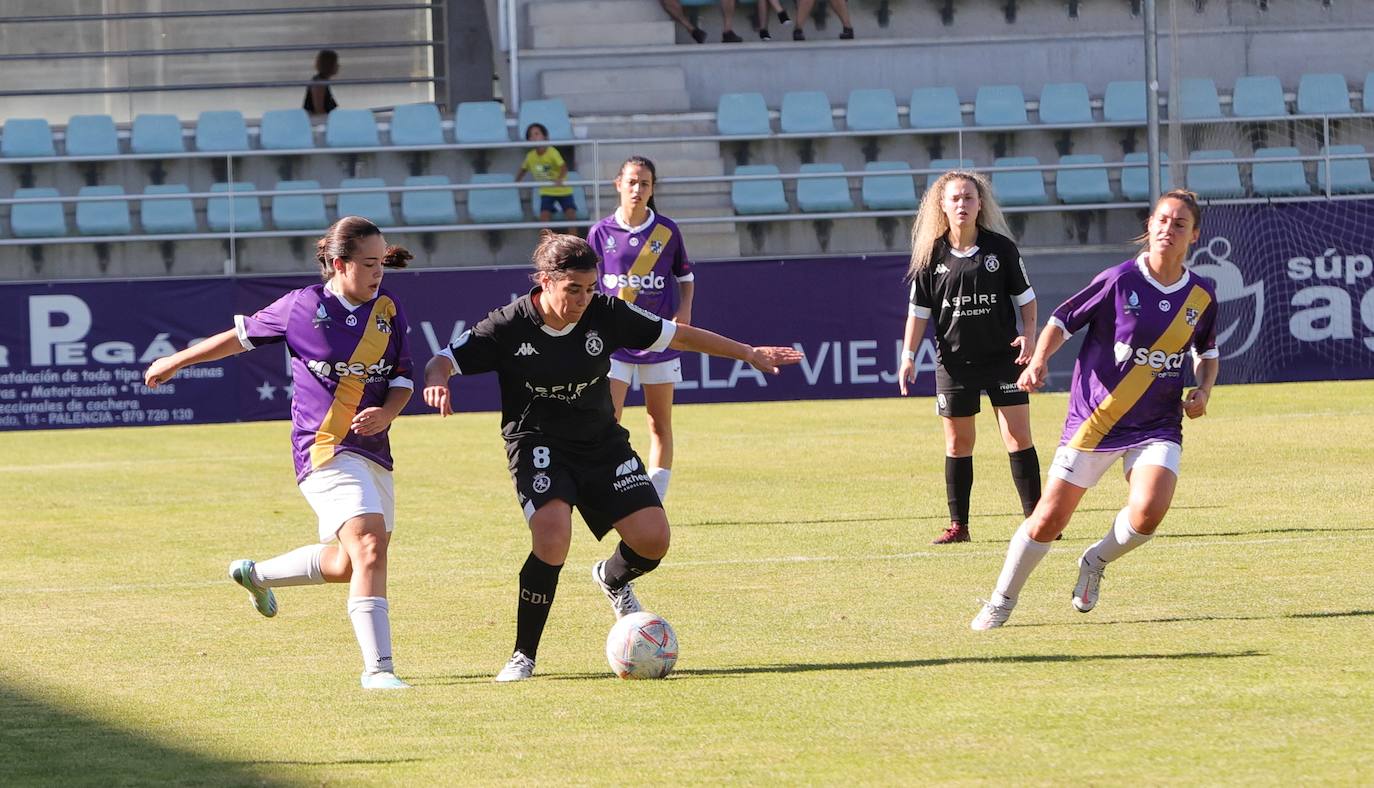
pixel 649 374
pixel 348 486
pixel 1085 468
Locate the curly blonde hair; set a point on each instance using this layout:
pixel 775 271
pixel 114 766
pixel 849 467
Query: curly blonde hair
pixel 931 224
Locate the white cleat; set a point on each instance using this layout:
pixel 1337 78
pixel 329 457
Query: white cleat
pixel 1089 585
pixel 991 616
pixel 241 572
pixel 519 668
pixel 623 599
pixel 385 680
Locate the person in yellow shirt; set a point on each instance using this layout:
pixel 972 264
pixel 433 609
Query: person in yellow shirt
pixel 545 163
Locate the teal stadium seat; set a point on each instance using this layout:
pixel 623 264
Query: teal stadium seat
pixel 888 192
pixel 106 217
pixel 157 133
pixel 1278 178
pixel 742 115
pixel 428 207
pixel 1082 186
pixel 285 129
pixel 1323 94
pixel 493 206
pixel 942 166
pixel 1258 97
pixel 1198 99
pixel 823 195
pixel 1348 176
pixel 160 217
pixel 416 124
pixel 298 211
pixel 552 113
pixel 1065 102
pixel 369 205
pixel 1019 188
pixel 871 109
pixel 999 105
pixel 806 112
pixel 1368 94
pixel 935 108
pixel 351 128
pixel 221 130
pixel 246 213
pixel 579 196
pixel 25 138
pixel 758 197
pixel 480 121
pixel 1135 181
pixel 92 135
pixel 1214 181
pixel 1124 102
pixel 39 219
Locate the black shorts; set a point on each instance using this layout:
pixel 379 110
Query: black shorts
pixel 957 394
pixel 606 484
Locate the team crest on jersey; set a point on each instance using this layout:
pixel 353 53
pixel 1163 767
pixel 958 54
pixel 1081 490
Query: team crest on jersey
pixel 541 482
pixel 992 263
pixel 1164 305
pixel 321 318
pixel 351 320
pixel 1190 315
pixel 383 327
pixel 1133 303
pixel 656 246
pixel 634 241
pixel 594 344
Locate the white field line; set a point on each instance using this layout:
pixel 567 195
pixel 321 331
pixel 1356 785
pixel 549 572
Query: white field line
pixel 95 464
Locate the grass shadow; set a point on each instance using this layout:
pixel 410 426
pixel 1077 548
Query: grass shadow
pixel 1198 535
pixel 937 517
pixel 1185 619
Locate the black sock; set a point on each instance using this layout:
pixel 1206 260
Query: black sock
pixel 625 565
pixel 958 487
pixel 538 582
pixel 1025 474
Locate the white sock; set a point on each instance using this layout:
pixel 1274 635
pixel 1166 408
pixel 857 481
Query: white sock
pixel 300 567
pixel 372 624
pixel 1023 555
pixel 1119 540
pixel 659 478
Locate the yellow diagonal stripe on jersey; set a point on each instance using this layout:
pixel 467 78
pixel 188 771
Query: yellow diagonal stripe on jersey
pixel 1132 387
pixel 646 260
pixel 350 391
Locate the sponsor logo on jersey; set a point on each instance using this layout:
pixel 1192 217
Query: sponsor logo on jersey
pixel 526 349
pixel 971 305
pixel 629 475
pixel 594 344
pixel 649 281
pixel 1122 352
pixel 629 466
pixel 541 482
pixel 1165 365
pixel 371 373
pixel 383 327
pixel 1132 305
pixel 321 318
pixel 992 263
pixel 1164 305
pixel 941 269
pixel 940 401
pixel 564 392
pixel 610 243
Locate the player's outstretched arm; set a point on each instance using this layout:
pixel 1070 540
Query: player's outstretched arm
pixel 763 358
pixel 911 342
pixel 1037 372
pixel 221 345
pixel 437 372
pixel 1205 370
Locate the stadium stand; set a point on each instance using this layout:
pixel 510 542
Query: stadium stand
pixel 299 211
pixel 374 205
pixel 105 217
pixel 1348 176
pixel 157 133
pixel 419 124
pixel 806 111
pixel 1000 105
pixel 935 108
pixel 37 220
pixel 1214 181
pixel 823 195
pixel 871 109
pixel 167 216
pixel 888 192
pixel 26 137
pixel 1258 96
pixel 495 206
pixel 742 114
pixel 758 196
pixel 1085 185
pixel 241 214
pixel 1323 94
pixel 92 135
pixel 285 129
pixel 1021 187
pixel 1278 178
pixel 551 113
pixel 1065 102
pixel 434 208
pixel 477 122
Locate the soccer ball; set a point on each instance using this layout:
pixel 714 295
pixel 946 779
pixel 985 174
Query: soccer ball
pixel 641 646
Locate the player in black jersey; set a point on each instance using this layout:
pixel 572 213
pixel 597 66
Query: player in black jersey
pixel 968 277
pixel 551 350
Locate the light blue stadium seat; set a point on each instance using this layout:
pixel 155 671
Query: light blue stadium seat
pixel 1124 102
pixel 552 113
pixel 489 206
pixel 935 108
pixel 888 192
pixel 1214 181
pixel 1278 178
pixel 167 216
pixel 758 197
pixel 416 124
pixel 1348 176
pixel 823 195
pixel 428 207
pixel 1082 186
pixel 1323 94
pixel 351 128
pixel 1198 99
pixel 37 220
pixel 942 166
pixel 1368 93
pixel 480 121
pixel 871 109
pixel 579 196
pixel 25 137
pixel 106 217
pixel 369 205
pixel 805 112
pixel 999 105
pixel 1135 181
pixel 156 133
pixel 285 129
pixel 1065 102
pixel 247 211
pixel 298 211
pixel 221 130
pixel 1258 97
pixel 1019 188
pixel 92 135
pixel 742 114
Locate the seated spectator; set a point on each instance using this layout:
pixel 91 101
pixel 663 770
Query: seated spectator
pixel 841 8
pixel 545 163
pixel 318 98
pixel 727 12
pixel 762 27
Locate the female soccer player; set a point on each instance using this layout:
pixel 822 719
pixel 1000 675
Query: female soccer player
pixel 551 352
pixel 968 275
pixel 1142 318
pixel 644 261
pixel 350 377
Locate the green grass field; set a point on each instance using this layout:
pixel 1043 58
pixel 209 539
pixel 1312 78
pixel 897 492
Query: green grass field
pixel 823 640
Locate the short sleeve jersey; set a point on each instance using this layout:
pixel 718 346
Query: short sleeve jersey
pixel 645 266
pixel 554 382
pixel 1128 381
pixel 342 361
pixel 972 298
pixel 545 167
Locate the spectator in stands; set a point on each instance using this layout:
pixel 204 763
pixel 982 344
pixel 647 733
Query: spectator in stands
pixel 841 8
pixel 546 164
pixel 318 98
pixel 727 12
pixel 783 18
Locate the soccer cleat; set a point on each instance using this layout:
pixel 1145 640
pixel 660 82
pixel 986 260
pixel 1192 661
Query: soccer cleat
pixel 519 668
pixel 956 532
pixel 241 572
pixel 623 600
pixel 991 616
pixel 1089 585
pixel 385 680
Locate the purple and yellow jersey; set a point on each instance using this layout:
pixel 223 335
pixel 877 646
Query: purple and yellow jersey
pixel 343 360
pixel 1127 386
pixel 643 265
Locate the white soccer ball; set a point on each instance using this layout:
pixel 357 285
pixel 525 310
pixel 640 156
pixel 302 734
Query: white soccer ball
pixel 641 646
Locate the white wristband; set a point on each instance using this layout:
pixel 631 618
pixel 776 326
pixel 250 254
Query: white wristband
pixel 909 355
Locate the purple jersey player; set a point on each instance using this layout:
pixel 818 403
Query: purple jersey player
pixel 350 376
pixel 1141 321
pixel 644 262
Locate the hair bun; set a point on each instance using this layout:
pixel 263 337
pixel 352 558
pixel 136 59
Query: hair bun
pixel 396 257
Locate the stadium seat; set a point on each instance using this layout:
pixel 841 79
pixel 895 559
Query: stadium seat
pixel 942 166
pixel 742 114
pixel 935 108
pixel 888 192
pixel 167 216
pixel 1124 102
pixel 106 217
pixel 823 195
pixel 806 112
pixel 1135 181
pixel 1258 97
pixel 246 211
pixel 871 109
pixel 579 196
pixel 351 128
pixel 1278 178
pixel 1065 102
pixel 1214 181
pixel 1198 99
pixel 1019 188
pixel 92 135
pixel 428 207
pixel 491 206
pixel 26 137
pixel 221 130
pixel 758 197
pixel 1082 186
pixel 39 219
pixel 155 133
pixel 285 129
pixel 417 124
pixel 1368 94
pixel 480 121
pixel 369 205
pixel 1323 94
pixel 552 113
pixel 298 211
pixel 1348 176
pixel 999 105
